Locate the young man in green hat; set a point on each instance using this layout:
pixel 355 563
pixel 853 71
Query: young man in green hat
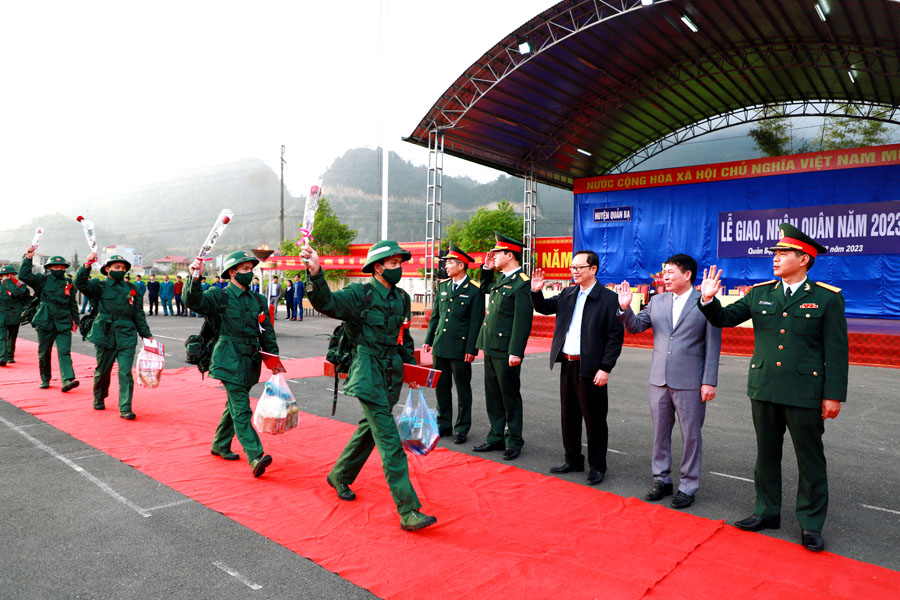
pixel 13 297
pixel 120 318
pixel 503 336
pixel 456 317
pixel 379 311
pixel 798 376
pixel 246 329
pixel 56 317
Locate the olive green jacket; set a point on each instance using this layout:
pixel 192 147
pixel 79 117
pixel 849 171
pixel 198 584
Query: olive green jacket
pixel 800 350
pixel 58 309
pixel 246 329
pixel 507 321
pixel 13 299
pixel 120 314
pixel 379 326
pixel 456 318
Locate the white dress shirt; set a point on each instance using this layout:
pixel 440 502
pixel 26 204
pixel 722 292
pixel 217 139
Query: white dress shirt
pixel 572 345
pixel 793 287
pixel 678 304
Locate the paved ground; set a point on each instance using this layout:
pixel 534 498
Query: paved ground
pixel 63 536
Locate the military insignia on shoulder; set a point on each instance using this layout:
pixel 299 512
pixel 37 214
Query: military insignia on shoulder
pixel 475 283
pixel 444 280
pixel 763 283
pixel 524 277
pixel 828 287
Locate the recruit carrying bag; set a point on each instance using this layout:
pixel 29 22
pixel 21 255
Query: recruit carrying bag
pixel 417 424
pixel 276 411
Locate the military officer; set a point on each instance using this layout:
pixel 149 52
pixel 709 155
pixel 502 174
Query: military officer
pixel 798 376
pixel 379 313
pixel 56 317
pixel 13 296
pixel 120 318
pixel 503 336
pixel 456 318
pixel 245 329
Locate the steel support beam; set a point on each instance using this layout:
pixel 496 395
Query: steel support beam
pixel 530 222
pixel 433 202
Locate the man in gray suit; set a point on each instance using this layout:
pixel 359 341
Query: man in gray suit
pixel 684 372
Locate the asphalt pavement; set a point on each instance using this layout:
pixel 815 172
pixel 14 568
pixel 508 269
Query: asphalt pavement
pixel 67 532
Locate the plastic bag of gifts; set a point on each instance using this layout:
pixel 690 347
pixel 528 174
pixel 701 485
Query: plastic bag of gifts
pixel 418 424
pixel 150 363
pixel 276 411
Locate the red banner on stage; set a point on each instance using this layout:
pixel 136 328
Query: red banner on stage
pixel 554 256
pixel 831 160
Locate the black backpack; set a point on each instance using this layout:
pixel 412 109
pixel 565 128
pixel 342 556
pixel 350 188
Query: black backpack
pixel 87 321
pixel 342 345
pixel 30 310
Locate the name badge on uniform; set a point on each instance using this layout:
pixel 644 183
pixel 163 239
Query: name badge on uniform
pixel 809 305
pixel 463 295
pixel 508 287
pixel 766 303
pixel 443 293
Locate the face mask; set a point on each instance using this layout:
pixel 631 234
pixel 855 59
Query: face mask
pixel 58 274
pixel 245 279
pixel 117 275
pixel 392 276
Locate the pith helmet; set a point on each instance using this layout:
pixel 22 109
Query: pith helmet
pixel 794 239
pixel 234 259
pixel 114 259
pixel 56 260
pixel 7 270
pixel 381 250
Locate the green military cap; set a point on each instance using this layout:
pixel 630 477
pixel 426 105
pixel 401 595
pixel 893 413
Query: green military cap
pixel 114 259
pixel 794 239
pixel 381 250
pixel 56 260
pixel 234 259
pixel 506 243
pixel 459 255
pixel 7 270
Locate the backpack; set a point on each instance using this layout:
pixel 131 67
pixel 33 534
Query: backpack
pixel 31 310
pixel 342 345
pixel 87 321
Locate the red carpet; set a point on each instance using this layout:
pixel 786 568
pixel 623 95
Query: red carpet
pixel 502 532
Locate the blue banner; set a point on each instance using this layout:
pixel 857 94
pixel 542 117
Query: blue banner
pixel 685 218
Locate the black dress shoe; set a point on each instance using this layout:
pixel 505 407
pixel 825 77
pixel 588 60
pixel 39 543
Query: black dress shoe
pixel 445 432
pixel 755 523
pixel 488 447
pixel 511 454
pixel 659 491
pixel 69 385
pixel 812 540
pixel 460 438
pixel 226 454
pixel 682 500
pixel 595 477
pixel 567 468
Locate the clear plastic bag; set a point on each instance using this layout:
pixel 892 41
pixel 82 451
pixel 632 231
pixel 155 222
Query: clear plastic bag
pixel 417 424
pixel 150 363
pixel 277 411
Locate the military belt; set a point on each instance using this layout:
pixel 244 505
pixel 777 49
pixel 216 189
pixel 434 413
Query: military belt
pixel 382 352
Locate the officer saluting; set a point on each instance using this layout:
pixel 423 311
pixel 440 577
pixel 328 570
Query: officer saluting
pixel 13 296
pixel 503 336
pixel 456 318
pixel 56 317
pixel 120 318
pixel 798 376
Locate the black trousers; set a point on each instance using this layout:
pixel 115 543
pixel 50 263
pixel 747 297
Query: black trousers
pixel 581 400
pixel 154 305
pixel 179 305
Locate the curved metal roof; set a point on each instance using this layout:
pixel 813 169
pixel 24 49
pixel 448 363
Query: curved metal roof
pixel 613 78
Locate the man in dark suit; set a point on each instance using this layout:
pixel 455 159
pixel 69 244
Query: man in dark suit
pixel 587 340
pixel 797 379
pixel 684 371
pixel 503 336
pixel 456 317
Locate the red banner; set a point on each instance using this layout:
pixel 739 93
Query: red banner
pixel 553 255
pixel 831 160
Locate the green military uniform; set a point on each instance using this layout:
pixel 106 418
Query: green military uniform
pixel 376 373
pixel 800 357
pixel 120 318
pixel 53 321
pixel 456 318
pixel 13 298
pixel 504 333
pixel 246 329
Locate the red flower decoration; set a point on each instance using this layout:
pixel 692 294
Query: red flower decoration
pixel 262 317
pixel 133 292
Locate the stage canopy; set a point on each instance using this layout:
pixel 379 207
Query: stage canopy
pixel 603 85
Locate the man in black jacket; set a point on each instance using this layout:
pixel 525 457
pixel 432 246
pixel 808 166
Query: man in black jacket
pixel 587 341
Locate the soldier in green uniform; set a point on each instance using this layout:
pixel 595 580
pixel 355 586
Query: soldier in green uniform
pixel 379 312
pixel 503 336
pixel 120 318
pixel 456 318
pixel 56 317
pixel 798 376
pixel 246 329
pixel 13 296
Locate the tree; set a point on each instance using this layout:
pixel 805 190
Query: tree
pixel 772 136
pixel 477 234
pixel 853 132
pixel 330 237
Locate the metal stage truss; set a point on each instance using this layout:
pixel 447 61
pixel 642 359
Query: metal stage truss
pixel 434 199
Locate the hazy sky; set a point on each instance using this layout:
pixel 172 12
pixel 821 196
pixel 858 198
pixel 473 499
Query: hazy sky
pixel 100 98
